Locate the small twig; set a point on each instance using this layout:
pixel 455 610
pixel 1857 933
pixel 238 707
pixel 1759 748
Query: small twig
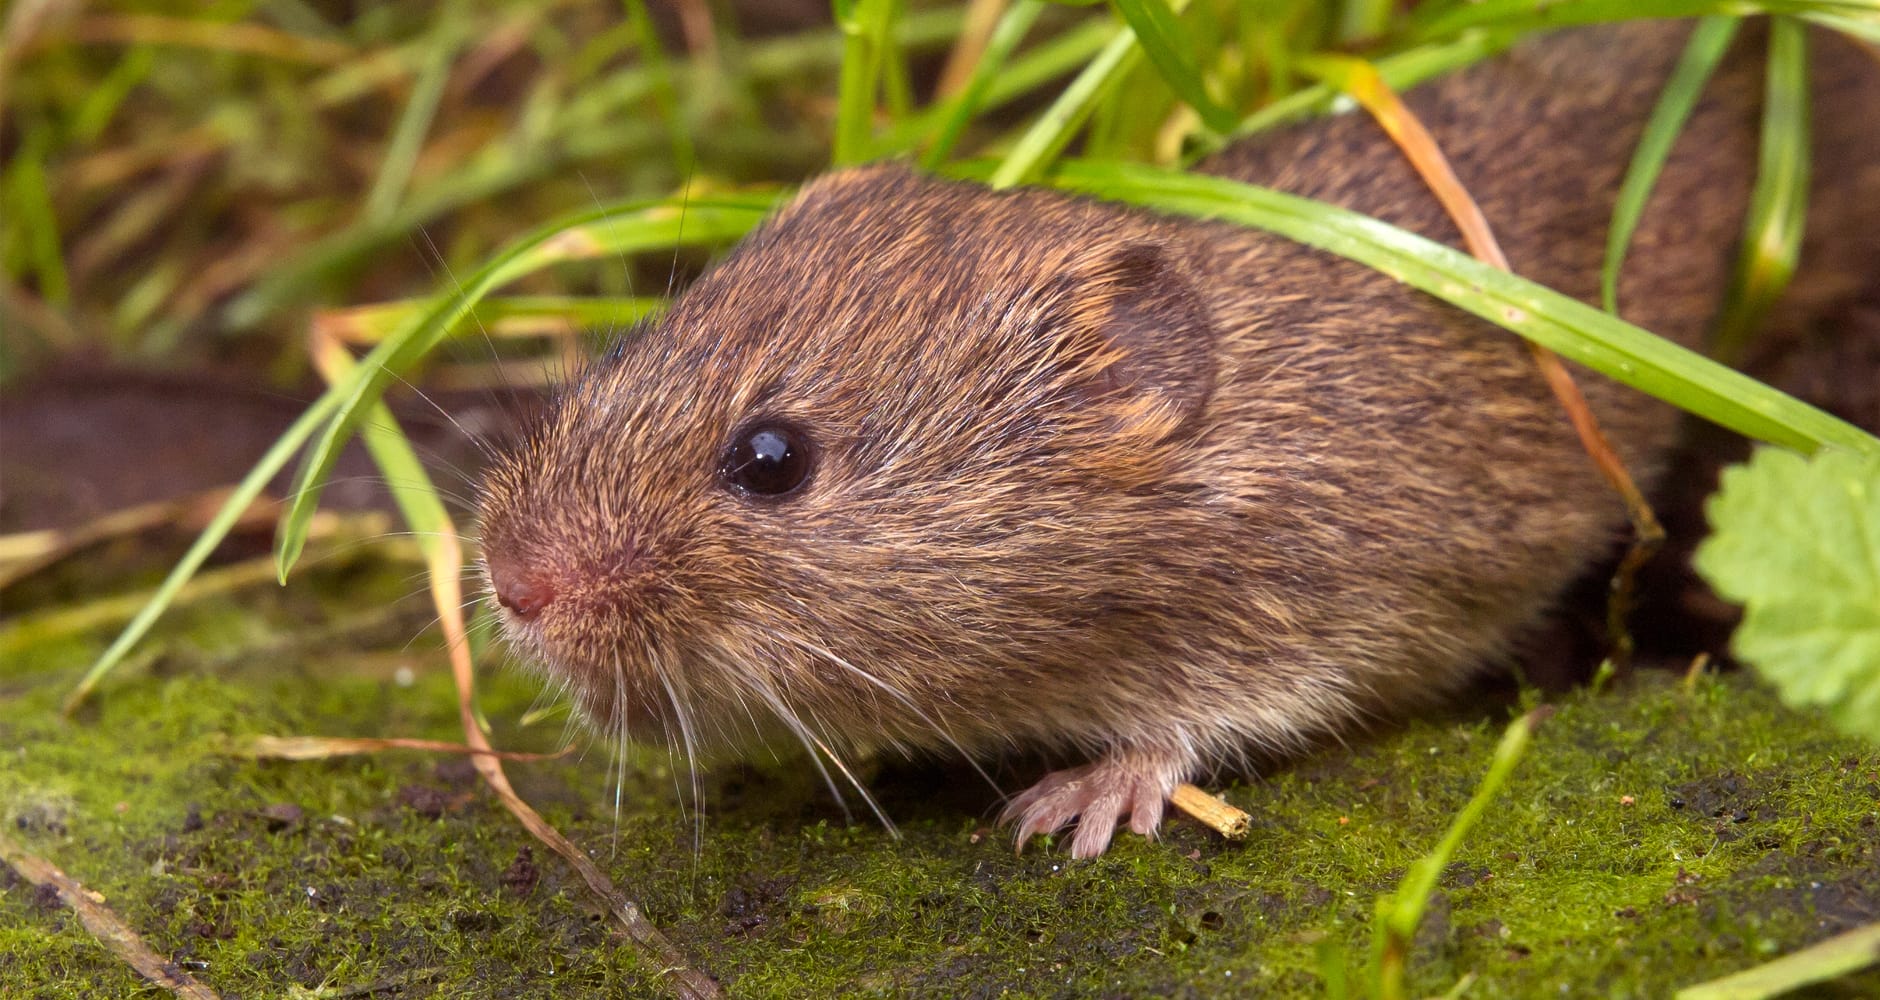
pixel 28 552
pixel 982 16
pixel 447 592
pixel 444 562
pixel 1362 81
pixel 1211 811
pixel 323 747
pixel 202 33
pixel 103 923
pixel 1699 664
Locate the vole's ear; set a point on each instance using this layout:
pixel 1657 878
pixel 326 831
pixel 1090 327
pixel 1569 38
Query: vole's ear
pixel 1131 325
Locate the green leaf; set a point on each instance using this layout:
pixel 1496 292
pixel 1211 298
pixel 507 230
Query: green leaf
pixel 1162 37
pixel 1778 207
pixel 1796 541
pixel 1399 914
pixel 1708 43
pixel 1567 326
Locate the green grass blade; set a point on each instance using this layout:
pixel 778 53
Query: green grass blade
pixel 401 154
pixel 604 232
pixel 665 92
pixel 1572 329
pixel 1401 71
pixel 588 311
pixel 1047 137
pixel 1051 59
pixel 865 25
pixel 1360 21
pixel 1838 956
pixel 1709 41
pixel 1400 913
pixel 1778 207
pixel 246 491
pixel 1171 51
pixel 1867 30
pixel 1530 15
pixel 411 487
pixel 28 203
pixel 1011 29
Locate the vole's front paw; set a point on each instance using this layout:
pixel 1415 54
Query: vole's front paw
pixel 1131 783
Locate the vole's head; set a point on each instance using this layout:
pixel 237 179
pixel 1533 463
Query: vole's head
pixel 891 463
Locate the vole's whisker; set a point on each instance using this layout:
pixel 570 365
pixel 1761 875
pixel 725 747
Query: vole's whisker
pixel 896 693
pixel 684 720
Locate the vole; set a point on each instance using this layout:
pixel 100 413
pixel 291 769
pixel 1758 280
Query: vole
pixel 929 467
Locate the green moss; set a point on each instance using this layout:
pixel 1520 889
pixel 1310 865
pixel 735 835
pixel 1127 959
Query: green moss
pixel 1653 837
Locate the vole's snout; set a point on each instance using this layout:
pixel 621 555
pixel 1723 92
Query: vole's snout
pixel 523 592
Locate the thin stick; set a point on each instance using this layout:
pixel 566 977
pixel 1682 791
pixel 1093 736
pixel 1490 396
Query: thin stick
pixel 323 747
pixel 1212 812
pixel 627 920
pixel 981 17
pixel 103 923
pixel 444 561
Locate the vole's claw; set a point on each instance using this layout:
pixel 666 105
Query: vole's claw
pixel 1096 796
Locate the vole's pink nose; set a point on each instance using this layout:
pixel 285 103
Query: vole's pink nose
pixel 521 591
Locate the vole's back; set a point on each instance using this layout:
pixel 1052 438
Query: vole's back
pixel 1447 490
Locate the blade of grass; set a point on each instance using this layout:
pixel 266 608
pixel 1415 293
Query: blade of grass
pixel 659 68
pixel 1709 41
pixel 411 487
pixel 1573 329
pixel 401 153
pixel 897 84
pixel 1171 51
pixel 1400 913
pixel 33 221
pixel 372 323
pixel 604 232
pixel 865 25
pixel 1778 206
pixel 1006 34
pixel 218 529
pixel 1047 137
pixel 1362 20
pixel 1052 58
pixel 1867 31
pixel 1837 956
pixel 1529 15
pixel 1401 72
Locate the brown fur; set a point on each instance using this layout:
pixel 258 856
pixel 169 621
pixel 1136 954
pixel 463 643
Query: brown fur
pixel 1156 490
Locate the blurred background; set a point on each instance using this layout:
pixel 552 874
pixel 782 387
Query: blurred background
pixel 187 190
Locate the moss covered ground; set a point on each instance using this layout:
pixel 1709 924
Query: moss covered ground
pixel 1657 834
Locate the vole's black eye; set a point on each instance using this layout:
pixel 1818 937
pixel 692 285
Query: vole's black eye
pixel 766 460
